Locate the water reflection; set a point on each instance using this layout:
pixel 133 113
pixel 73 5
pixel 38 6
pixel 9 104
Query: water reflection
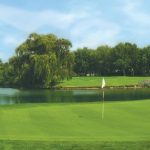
pixel 13 96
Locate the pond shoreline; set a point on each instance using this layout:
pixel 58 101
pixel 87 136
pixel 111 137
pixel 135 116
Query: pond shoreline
pixel 80 87
pixel 98 87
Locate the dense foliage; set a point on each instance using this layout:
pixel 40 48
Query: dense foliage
pixel 123 59
pixel 43 60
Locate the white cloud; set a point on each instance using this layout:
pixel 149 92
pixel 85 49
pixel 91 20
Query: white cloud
pixel 30 21
pixel 11 40
pixel 135 12
pixel 83 26
pixel 94 30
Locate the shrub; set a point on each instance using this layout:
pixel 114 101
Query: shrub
pixel 145 83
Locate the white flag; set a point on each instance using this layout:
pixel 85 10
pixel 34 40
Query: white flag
pixel 103 83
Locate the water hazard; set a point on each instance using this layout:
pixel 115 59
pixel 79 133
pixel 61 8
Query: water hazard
pixel 15 96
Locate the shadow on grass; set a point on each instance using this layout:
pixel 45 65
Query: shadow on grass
pixel 40 145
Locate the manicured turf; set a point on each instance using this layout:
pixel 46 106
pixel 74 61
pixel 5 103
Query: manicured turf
pixel 80 125
pixel 50 145
pixel 96 81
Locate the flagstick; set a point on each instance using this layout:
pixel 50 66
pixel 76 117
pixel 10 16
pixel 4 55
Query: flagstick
pixel 103 106
pixel 103 85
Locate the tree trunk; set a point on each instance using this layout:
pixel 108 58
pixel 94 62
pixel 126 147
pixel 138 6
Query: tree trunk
pixel 124 72
pixel 133 72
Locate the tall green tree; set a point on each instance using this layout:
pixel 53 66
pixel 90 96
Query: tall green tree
pixel 103 64
pixel 124 57
pixel 42 60
pixel 144 61
pixel 82 61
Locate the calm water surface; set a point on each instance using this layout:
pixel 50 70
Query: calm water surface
pixel 14 96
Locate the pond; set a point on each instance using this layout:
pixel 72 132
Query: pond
pixel 15 96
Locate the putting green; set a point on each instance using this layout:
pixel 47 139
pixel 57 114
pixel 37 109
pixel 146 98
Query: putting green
pixel 123 121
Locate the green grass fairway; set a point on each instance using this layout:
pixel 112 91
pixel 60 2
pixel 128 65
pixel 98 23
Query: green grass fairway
pixel 96 81
pixel 75 126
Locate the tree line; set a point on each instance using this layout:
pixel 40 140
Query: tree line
pixel 44 60
pixel 122 59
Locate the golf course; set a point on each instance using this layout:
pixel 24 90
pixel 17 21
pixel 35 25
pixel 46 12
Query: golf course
pixel 76 125
pixel 74 75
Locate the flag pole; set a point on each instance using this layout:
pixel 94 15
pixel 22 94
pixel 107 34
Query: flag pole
pixel 103 106
pixel 103 97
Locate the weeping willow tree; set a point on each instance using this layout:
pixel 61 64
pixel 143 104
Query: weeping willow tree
pixel 42 61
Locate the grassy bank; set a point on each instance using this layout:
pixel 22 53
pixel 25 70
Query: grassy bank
pixel 96 81
pixel 62 126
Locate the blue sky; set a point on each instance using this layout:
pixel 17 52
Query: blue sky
pixel 85 22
